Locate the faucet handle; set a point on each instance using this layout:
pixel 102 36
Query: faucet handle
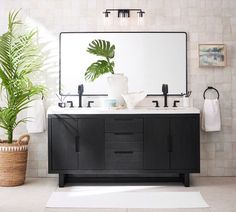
pixel 156 103
pixel 71 103
pixel 89 103
pixel 175 103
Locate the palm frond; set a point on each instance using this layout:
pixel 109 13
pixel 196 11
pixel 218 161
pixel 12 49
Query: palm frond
pixel 12 21
pixel 19 57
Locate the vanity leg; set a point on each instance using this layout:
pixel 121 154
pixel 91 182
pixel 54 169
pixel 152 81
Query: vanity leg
pixel 186 180
pixel 61 180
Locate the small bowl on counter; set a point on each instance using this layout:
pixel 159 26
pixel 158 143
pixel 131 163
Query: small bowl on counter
pixel 132 99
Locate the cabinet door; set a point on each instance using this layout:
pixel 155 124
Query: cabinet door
pixel 91 141
pixel 63 143
pixel 156 143
pixel 185 143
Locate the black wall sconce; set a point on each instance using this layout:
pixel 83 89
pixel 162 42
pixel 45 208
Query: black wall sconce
pixel 124 13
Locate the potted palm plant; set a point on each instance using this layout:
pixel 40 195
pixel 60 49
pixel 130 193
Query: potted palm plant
pixel 117 83
pixel 20 57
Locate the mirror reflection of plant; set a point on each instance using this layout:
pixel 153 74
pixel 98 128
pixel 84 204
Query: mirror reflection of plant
pixel 20 56
pixel 104 49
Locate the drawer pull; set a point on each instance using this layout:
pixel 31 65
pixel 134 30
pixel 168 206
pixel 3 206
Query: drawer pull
pixel 77 143
pixel 127 119
pixel 169 143
pixel 123 152
pixel 124 133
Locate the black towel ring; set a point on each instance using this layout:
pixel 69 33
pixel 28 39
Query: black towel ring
pixel 210 87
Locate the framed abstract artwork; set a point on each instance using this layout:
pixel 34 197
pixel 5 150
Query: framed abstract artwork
pixel 212 55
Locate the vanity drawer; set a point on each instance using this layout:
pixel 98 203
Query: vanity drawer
pixel 127 146
pixel 124 137
pixel 118 160
pixel 130 125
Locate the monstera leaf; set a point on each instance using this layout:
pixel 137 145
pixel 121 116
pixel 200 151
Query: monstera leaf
pixel 97 69
pixel 104 49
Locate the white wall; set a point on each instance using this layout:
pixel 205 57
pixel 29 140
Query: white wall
pixel 205 21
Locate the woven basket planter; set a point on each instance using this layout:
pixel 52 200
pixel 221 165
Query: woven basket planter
pixel 13 161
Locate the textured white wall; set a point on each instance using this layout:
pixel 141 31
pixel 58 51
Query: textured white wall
pixel 205 21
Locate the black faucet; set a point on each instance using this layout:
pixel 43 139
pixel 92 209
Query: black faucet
pixel 80 92
pixel 165 92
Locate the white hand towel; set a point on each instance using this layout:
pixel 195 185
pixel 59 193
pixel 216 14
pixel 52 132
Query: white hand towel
pixel 211 120
pixel 36 113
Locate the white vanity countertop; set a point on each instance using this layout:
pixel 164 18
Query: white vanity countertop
pixel 140 110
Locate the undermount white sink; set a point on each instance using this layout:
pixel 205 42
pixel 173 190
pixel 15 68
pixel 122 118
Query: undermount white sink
pixel 138 110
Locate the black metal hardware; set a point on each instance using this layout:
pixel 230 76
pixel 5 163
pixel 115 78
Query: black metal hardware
pixel 123 119
pixel 188 94
pixel 169 143
pixel 77 143
pixel 140 13
pixel 89 103
pixel 80 92
pixel 123 133
pixel 175 103
pixel 156 103
pixel 71 103
pixel 211 88
pixel 61 180
pixel 165 92
pixel 125 13
pixel 106 14
pixel 62 104
pixel 123 152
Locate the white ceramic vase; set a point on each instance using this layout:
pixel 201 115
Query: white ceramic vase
pixel 117 85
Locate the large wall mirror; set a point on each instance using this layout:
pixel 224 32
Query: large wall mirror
pixel 148 59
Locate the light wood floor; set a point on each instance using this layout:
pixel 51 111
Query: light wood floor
pixel 219 193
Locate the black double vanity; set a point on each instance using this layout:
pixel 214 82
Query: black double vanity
pixel 123 146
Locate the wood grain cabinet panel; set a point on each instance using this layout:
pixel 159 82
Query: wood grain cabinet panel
pixel 128 147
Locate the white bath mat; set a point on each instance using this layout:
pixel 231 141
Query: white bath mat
pixel 123 197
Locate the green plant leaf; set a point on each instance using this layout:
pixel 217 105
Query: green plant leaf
pixel 20 56
pixel 92 72
pixel 102 48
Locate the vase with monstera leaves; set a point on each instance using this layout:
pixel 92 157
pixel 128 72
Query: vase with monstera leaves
pixel 117 82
